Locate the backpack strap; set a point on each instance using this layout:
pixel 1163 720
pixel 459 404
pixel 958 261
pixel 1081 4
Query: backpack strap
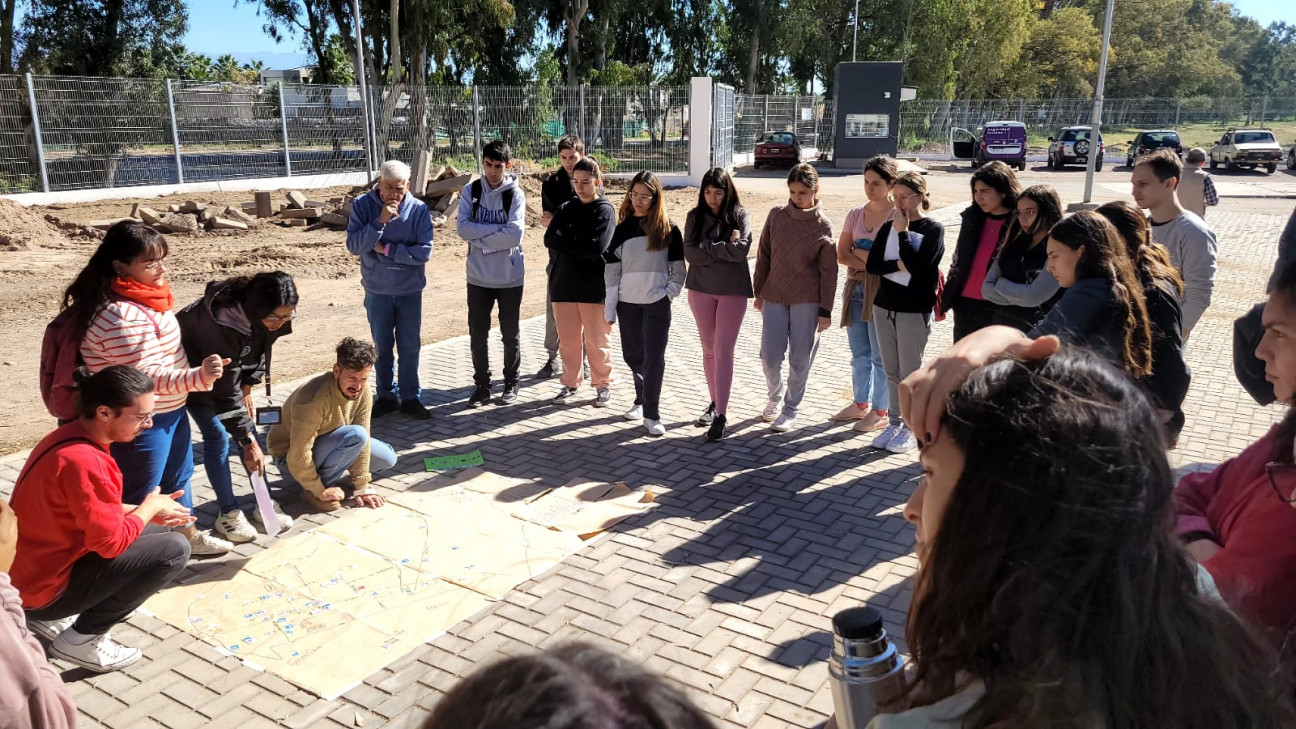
pixel 475 191
pixel 31 462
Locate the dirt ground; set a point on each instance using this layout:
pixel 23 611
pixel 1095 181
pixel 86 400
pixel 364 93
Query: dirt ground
pixel 39 258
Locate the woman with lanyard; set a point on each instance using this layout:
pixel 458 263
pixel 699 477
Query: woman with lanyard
pixel 240 318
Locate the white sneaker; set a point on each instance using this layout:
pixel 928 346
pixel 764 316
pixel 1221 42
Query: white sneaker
pixel 903 441
pixel 654 427
pixel 634 413
pixel 784 424
pixel 98 653
pixel 885 436
pixel 285 521
pixel 203 544
pixel 50 629
pixel 772 409
pixel 234 526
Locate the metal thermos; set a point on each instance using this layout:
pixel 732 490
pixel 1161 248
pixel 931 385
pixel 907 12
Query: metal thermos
pixel 864 667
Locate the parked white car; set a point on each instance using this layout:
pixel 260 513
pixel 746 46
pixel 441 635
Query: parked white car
pixel 1249 148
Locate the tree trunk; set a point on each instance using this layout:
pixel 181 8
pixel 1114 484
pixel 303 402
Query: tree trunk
pixel 110 48
pixel 600 62
pixel 418 99
pixel 576 13
pixel 753 61
pixel 7 11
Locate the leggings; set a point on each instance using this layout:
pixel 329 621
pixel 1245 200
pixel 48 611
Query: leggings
pixel 719 319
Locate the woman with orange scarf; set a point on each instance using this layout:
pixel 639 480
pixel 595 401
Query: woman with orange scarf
pixel 122 301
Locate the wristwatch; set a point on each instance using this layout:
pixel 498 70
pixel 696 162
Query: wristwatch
pixel 247 440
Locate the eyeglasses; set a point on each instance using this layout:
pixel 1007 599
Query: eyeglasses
pixel 276 319
pixel 156 265
pixel 1285 472
pixel 143 418
pixel 907 198
pixel 641 198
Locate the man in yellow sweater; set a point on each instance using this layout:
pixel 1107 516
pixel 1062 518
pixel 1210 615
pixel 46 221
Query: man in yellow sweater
pixel 323 432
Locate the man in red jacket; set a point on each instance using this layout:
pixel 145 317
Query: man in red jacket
pixel 1238 520
pixel 85 560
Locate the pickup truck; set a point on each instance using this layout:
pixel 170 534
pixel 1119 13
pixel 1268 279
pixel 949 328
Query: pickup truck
pixel 1249 148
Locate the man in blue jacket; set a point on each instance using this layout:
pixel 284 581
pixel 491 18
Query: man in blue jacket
pixel 391 232
pixel 492 213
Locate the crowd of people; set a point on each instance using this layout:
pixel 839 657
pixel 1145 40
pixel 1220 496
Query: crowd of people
pixel 1058 585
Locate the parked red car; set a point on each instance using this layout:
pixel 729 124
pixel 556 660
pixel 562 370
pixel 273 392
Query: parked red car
pixel 781 148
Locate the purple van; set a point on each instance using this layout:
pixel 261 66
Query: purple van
pixel 999 140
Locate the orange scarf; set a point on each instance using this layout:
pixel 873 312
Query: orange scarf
pixel 158 298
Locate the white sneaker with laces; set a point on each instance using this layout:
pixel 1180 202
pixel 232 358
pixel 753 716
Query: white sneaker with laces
pixel 203 544
pixel 98 653
pixel 885 436
pixel 654 427
pixel 771 411
pixel 564 395
pixel 903 441
pixel 234 526
pixel 285 521
pixel 784 424
pixel 50 629
pixel 634 413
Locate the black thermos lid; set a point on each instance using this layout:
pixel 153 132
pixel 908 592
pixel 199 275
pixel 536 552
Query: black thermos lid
pixel 858 623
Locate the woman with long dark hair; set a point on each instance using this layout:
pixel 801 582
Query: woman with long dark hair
pixel 1162 289
pixel 122 301
pixel 1018 283
pixel 644 272
pixel 717 239
pixel 1051 592
pixel 994 196
pixel 1103 308
pixel 240 318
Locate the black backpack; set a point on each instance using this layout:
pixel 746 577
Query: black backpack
pixel 476 191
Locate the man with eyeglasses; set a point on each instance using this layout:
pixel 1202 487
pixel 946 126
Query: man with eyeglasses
pixel 84 560
pixel 391 231
pixel 1239 521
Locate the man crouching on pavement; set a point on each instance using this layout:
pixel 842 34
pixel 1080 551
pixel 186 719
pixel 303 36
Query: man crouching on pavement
pixel 323 433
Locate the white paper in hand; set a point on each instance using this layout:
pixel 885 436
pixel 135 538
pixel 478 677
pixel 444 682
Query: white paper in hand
pixel 264 505
pixel 892 253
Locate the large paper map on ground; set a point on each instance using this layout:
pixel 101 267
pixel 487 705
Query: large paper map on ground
pixel 326 608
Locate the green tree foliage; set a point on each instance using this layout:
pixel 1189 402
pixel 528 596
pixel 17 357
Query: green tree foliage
pixel 104 37
pixel 1060 60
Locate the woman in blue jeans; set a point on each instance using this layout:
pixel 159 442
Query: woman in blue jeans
pixel 240 319
pixel 868 409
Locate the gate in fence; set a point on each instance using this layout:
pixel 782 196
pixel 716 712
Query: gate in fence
pixel 722 126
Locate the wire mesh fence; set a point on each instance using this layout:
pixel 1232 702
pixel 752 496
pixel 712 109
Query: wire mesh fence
pixel 112 132
pixel 809 117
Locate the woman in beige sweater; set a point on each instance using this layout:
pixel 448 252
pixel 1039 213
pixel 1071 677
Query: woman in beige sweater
pixel 795 284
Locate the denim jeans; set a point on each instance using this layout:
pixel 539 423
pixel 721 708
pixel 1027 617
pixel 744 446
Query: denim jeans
pixel 216 450
pixel 334 452
pixel 868 376
pixel 160 456
pixel 395 323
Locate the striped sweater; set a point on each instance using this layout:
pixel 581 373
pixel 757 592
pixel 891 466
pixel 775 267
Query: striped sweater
pixel 126 333
pixel 636 275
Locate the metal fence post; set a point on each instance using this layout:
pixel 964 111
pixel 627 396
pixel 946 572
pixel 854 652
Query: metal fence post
pixel 583 131
pixel 477 135
pixel 1264 109
pixel 1178 106
pixel 283 122
pixel 36 127
pixel 175 133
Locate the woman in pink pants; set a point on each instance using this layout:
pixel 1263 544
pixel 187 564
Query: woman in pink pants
pixel 717 238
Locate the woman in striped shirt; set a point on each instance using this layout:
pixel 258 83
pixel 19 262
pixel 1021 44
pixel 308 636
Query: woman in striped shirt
pixel 123 301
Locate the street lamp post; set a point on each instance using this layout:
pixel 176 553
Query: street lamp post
pixel 855 42
pixel 1095 132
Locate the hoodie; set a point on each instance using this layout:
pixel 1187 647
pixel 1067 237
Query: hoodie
pixel 576 239
pixel 409 236
pixel 208 327
pixel 495 259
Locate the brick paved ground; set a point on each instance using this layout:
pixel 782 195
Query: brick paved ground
pixel 727 586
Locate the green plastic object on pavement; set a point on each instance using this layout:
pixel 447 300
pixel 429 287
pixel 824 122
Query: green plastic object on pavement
pixel 449 463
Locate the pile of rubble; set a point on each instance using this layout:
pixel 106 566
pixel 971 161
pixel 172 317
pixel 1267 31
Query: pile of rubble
pixel 438 188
